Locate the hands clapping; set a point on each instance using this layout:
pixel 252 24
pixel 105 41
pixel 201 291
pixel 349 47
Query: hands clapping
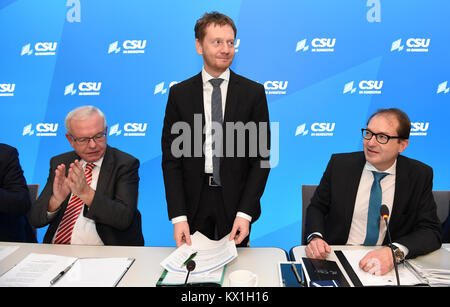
pixel 75 183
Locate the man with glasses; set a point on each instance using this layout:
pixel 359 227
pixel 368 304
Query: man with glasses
pixel 345 208
pixel 91 193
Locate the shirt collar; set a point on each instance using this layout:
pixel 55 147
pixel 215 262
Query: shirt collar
pixel 206 77
pixel 97 163
pixel 390 170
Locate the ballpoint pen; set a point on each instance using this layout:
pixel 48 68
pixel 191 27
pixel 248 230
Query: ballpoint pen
pixel 61 274
pixel 294 268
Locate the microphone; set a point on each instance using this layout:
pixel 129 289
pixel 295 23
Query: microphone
pixel 190 266
pixel 384 212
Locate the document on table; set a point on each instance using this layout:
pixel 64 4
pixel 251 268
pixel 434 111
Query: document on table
pixel 37 270
pixel 210 255
pixel 407 277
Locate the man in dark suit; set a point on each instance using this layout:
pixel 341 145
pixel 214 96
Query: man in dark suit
pixel 14 199
pixel 210 187
pixel 340 210
pixel 91 193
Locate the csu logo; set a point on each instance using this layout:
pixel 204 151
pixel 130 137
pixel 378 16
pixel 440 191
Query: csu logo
pixel 7 89
pixel 159 88
pixel 275 87
pixel 419 128
pixel 130 129
pixel 40 48
pixel 83 88
pixel 366 87
pixel 317 44
pixel 128 46
pixel 412 45
pixel 42 129
pixel 442 88
pixel 317 129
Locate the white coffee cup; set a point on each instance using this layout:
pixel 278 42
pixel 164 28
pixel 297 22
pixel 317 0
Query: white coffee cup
pixel 243 278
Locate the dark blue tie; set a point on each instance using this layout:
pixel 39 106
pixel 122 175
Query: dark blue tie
pixel 216 116
pixel 373 218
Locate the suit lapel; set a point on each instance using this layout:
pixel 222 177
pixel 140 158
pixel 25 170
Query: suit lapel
pixel 401 191
pixel 353 178
pixel 232 98
pixel 197 97
pixel 105 170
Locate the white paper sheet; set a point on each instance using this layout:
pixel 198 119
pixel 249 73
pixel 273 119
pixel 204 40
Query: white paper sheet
pixel 37 270
pixel 211 255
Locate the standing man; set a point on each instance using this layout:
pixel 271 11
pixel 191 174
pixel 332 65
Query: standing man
pixel 206 191
pixel 91 193
pixel 345 208
pixel 15 200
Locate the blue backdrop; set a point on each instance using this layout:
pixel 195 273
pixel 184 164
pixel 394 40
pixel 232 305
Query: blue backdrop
pixel 326 66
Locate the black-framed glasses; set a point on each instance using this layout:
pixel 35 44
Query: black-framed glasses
pixel 380 137
pixel 98 138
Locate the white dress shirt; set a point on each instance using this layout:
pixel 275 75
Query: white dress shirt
pixel 207 106
pixel 358 227
pixel 207 93
pixel 84 231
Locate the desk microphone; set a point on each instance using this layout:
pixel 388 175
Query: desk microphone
pixel 190 266
pixel 384 212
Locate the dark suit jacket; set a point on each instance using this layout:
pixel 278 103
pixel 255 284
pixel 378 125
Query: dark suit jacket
pixel 114 208
pixel 414 222
pixel 14 199
pixel 243 180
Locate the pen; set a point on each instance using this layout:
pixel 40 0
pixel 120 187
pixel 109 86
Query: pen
pixel 190 258
pixel 58 277
pixel 294 268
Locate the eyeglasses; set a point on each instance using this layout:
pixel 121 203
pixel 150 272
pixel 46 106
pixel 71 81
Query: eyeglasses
pixel 380 137
pixel 98 138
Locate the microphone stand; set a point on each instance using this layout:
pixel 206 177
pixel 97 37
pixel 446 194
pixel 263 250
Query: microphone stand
pixel 392 251
pixel 190 266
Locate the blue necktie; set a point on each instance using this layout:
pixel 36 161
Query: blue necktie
pixel 373 218
pixel 216 116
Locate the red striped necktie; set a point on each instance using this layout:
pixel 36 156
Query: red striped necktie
pixel 65 228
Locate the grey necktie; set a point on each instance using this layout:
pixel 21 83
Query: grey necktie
pixel 216 116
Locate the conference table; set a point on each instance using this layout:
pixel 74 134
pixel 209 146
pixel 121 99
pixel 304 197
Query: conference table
pixel 439 259
pixel 146 269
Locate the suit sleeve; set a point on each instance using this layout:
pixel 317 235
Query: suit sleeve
pixel 14 195
pixel 38 213
pixel 319 206
pixel 259 166
pixel 425 236
pixel 118 211
pixel 171 165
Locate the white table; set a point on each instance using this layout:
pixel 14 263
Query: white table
pixel 146 269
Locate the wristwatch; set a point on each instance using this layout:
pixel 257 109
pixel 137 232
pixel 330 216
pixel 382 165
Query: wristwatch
pixel 398 254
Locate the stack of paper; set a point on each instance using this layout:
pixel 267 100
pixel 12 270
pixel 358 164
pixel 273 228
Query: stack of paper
pixel 210 259
pixel 434 277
